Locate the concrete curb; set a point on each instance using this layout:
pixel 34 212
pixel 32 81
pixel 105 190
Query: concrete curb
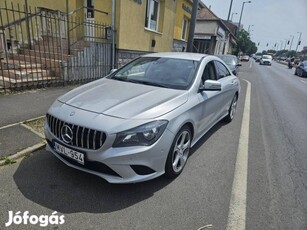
pixel 24 152
pixel 27 150
pixel 21 122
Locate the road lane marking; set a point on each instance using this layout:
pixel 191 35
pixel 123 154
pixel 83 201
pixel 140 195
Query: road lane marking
pixel 304 82
pixel 20 122
pixel 250 64
pixel 237 208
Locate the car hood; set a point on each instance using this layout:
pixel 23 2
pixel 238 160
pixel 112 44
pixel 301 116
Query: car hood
pixel 124 99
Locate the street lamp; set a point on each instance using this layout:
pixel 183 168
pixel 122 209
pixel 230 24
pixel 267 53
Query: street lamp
pixel 285 43
pixel 299 41
pixel 249 27
pixel 232 16
pixel 242 13
pixel 291 42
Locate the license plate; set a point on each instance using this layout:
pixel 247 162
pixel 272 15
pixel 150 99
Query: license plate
pixel 75 155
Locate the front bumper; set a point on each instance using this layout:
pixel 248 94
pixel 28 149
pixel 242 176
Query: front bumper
pixel 119 165
pixel 266 63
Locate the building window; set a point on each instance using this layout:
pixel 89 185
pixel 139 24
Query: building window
pixel 152 14
pixel 185 24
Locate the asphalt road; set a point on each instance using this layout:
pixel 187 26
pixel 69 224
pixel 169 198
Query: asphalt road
pixel 15 108
pixel 276 192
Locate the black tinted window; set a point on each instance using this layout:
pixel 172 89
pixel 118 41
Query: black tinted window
pixel 209 72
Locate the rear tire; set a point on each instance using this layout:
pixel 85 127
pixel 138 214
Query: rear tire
pixel 179 153
pixel 232 109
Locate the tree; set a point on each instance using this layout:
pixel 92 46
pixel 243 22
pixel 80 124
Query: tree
pixel 244 44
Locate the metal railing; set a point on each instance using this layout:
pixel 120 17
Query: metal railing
pixel 35 50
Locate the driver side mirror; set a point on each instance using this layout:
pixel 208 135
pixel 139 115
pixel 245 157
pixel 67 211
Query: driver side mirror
pixel 211 85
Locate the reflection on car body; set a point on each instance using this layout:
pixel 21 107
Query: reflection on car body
pixel 141 121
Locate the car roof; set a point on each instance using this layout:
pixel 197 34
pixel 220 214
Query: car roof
pixel 178 55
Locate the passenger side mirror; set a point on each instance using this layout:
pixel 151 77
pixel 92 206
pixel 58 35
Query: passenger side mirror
pixel 211 85
pixel 239 64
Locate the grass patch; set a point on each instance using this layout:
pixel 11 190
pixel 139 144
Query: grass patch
pixel 37 125
pixel 7 161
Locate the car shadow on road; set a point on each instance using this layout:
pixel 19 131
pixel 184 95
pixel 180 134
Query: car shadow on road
pixel 45 180
pixel 205 137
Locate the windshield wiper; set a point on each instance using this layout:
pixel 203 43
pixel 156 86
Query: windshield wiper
pixel 148 83
pixel 120 78
pixel 126 79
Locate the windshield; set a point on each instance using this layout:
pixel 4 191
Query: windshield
pixel 229 60
pixel 158 71
pixel 266 57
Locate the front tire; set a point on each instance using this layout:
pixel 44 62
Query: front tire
pixel 179 153
pixel 232 109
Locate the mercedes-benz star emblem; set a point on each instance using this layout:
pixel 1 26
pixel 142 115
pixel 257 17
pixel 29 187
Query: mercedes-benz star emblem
pixel 66 134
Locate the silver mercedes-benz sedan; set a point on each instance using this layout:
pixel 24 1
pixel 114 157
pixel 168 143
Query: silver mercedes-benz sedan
pixel 140 121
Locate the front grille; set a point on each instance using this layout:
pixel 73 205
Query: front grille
pixel 81 137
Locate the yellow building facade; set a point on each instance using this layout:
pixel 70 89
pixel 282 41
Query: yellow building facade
pixel 182 24
pixel 141 26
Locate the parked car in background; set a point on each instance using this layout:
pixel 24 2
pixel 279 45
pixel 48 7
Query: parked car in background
pixel 301 69
pixel 244 58
pixel 266 60
pixel 141 121
pixel 232 62
pixel 257 58
pixel 296 61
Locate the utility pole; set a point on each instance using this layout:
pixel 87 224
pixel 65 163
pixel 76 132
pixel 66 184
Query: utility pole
pixel 229 10
pixel 192 26
pixel 68 29
pixel 113 33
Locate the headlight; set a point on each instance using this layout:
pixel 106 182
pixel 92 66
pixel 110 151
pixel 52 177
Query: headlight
pixel 143 135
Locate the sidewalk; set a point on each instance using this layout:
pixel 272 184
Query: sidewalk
pixel 17 137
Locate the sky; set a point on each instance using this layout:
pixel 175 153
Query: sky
pixel 274 21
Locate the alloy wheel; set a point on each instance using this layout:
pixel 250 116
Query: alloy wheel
pixel 233 107
pixel 181 151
